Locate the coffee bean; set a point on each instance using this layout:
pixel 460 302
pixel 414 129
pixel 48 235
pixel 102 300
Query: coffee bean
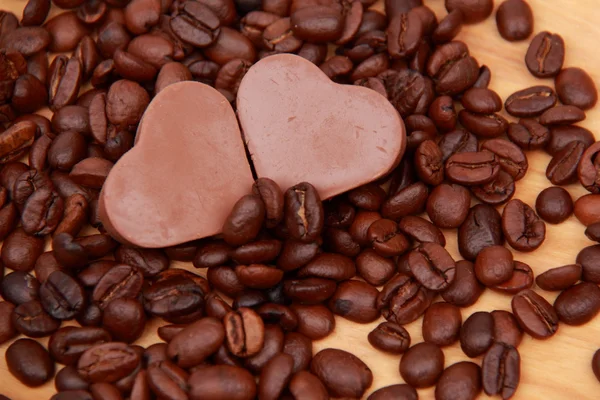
pixel 19 287
pixel 122 281
pixel 587 171
pixel 35 12
pixel 373 268
pixel 420 230
pixel 501 370
pixel 429 163
pixel 452 68
pixel 587 258
pixel 510 157
pixel 29 94
pixel 562 115
pixel 107 362
pixel 314 321
pixel 317 24
pixel 124 319
pixel 472 168
pixel 304 214
pixel 481 229
pixel 596 364
pixel 20 250
pixel 545 55
pixel 535 315
pixel 443 114
pixel 562 169
pixel 275 377
pixel 411 93
pixel 404 33
pixel 441 324
pixel 300 348
pixel 461 380
pixel 221 381
pixel 587 209
pixel 344 374
pixel 561 136
pixel 150 262
pixel 593 232
pixel 42 212
pixel 432 266
pixel 522 278
pixel 244 221
pixel 244 331
pixel 309 290
pixel 398 391
pixel 554 205
pixel 65 76
pixel 31 320
pixel 481 101
pixel 390 338
pixel 360 228
pixel 306 386
pixel 474 10
pixel 367 197
pixel 7 327
pixel 559 278
pixel 485 125
pixel 514 20
pixel 578 304
pixel 329 266
pixel 477 334
pixel 386 238
pixel 528 134
pixel 448 27
pixel 29 362
pixel 68 379
pixel 16 139
pixel 27 40
pixel 408 201
pixel 67 344
pixel 494 265
pixel 196 342
pixel 522 227
pixel 272 313
pixel 465 289
pixel 403 299
pixel 273 345
pixel 575 87
pixel 496 192
pixel 422 364
pixel 229 45
pixel 506 328
pixel 62 296
pixel 355 301
pixel 457 141
pixel 530 102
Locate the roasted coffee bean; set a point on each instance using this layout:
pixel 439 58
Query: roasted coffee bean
pixel 422 364
pixel 420 230
pixel 465 289
pixel 178 297
pixel 150 262
pixel 432 266
pixel 35 12
pixel 452 68
pixel 272 313
pixel 522 227
pixel 31 320
pixel 16 140
pixel 257 252
pixel 545 55
pixel 19 287
pixel 304 214
pixel 107 362
pixel 522 278
pixel 429 164
pixel 494 265
pixel 132 67
pixel 67 344
pixel 244 221
pixel 254 23
pixel 196 342
pixel 29 94
pixel 273 345
pixel 472 168
pixel 66 30
pixel 91 316
pixel 275 376
pixel 71 118
pixel 62 296
pixel 170 73
pixel 412 93
pixel 554 205
pixel 211 254
pixel 7 326
pixel 587 209
pixel 38 155
pixel 360 227
pixel 196 24
pixel 501 370
pixel 65 76
pixel 68 379
pixel 295 254
pixel 299 347
pixel 122 281
pixel 559 278
pixel 528 134
pixel 91 275
pixel 390 338
pixel 443 114
pixel 562 169
pixel 496 192
pixel 441 324
pixel 258 276
pixel 124 319
pixel 561 136
pixel 309 290
pixel 386 238
pixel 404 34
pixel 166 379
pixel 244 332
pixel 66 150
pixel 588 173
pixel 596 364
pixel 530 102
pixel 535 315
pixel 448 27
pixel 355 380
pixel 408 201
pixel 367 197
pixel 29 362
pixel 225 279
pixel 20 250
pixel 510 157
pixel 373 268
pixel 474 10
pixel 317 24
pixel 481 101
pixel 315 53
pixel 562 115
pixel 27 40
pixel 42 212
pixel 506 328
pixel 403 299
pixel 398 391
pixel 461 380
pixel 448 205
pixel 141 15
pixel 578 304
pixel 229 45
pixel 593 232
pixel 222 382
pixel 314 321
pixel 340 214
pixel 588 259
pixel 477 334
pixel 481 229
pixel 329 266
pixel 485 125
pixel 575 87
pixel 356 301
pixel 168 332
pixel 458 141
pixel 514 20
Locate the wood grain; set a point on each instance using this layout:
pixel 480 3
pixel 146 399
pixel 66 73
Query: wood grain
pixel 558 368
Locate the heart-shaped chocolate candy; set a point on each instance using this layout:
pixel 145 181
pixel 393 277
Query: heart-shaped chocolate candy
pixel 183 176
pixel 299 126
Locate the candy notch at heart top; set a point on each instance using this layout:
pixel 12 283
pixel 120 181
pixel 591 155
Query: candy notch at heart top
pixel 184 174
pixel 299 126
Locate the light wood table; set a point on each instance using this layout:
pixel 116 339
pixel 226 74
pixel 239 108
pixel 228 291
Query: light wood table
pixel 558 368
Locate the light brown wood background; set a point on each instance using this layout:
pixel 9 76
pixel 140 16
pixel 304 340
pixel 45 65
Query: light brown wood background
pixel 558 368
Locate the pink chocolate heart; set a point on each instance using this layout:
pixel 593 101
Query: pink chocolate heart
pixel 300 126
pixel 183 176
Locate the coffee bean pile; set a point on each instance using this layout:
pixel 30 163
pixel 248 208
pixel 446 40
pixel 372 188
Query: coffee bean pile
pixel 286 261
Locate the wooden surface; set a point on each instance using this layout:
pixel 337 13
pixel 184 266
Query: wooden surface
pixel 558 368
